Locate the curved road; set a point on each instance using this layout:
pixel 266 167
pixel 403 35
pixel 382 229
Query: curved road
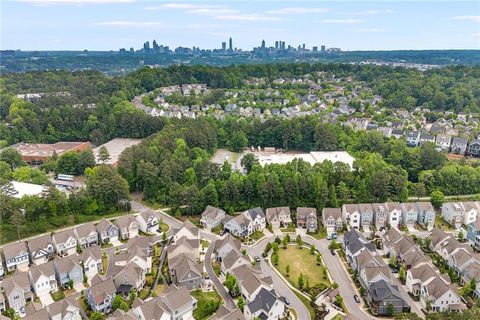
pixel 229 303
pixel 279 285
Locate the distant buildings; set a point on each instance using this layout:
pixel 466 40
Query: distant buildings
pixel 115 147
pixel 38 153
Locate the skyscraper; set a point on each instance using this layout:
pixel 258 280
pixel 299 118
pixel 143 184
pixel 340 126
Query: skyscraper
pixel 263 44
pixel 322 48
pixel 230 44
pixel 276 44
pixel 155 46
pixel 224 46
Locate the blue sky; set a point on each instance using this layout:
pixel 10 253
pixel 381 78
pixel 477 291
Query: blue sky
pixel 350 25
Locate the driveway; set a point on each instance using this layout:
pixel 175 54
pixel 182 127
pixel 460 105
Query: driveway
pixel 46 299
pixel 280 287
pixel 229 303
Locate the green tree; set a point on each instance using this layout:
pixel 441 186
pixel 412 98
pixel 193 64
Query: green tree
pixel 285 242
pixel 12 157
pixel 238 140
pixel 97 316
pixel 106 186
pixel 68 163
pixel 29 175
pixel 103 154
pixel 248 161
pixel 287 270
pixel 390 309
pixel 312 249
pixel 10 313
pixel 299 241
pixel 118 303
pixel 275 258
pixel 86 159
pixel 241 303
pixel 301 281
pixel 402 274
pixel 437 198
pixel 230 283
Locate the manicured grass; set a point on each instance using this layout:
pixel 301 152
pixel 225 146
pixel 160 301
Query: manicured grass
pixel 301 262
pixel 289 228
pixel 442 224
pixel 320 234
pixel 207 304
pixel 338 317
pixel 144 293
pixel 104 264
pixel 164 227
pixel 257 235
pixel 307 304
pixel 217 268
pixel 59 295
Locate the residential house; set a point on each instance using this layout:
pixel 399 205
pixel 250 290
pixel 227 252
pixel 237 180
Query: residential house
pixel 251 280
pixel 223 313
pixel 366 215
pixel 183 263
pixel 41 249
pixel 188 230
pixel 101 294
pixel 17 292
pixel 127 226
pixel 131 276
pixel 394 213
pixel 16 256
pixel 87 235
pixel 266 305
pixel 443 141
pixel 351 215
pixel 107 231
pixel 278 217
pixel 148 221
pixel 459 145
pixel 232 260
pixel 453 213
pixel 441 296
pixel 225 245
pixel 212 217
pixel 65 243
pixel 42 279
pixel 239 225
pixel 409 214
pixel 257 216
pixel 426 215
pixel 332 220
pixel 353 244
pixel 425 137
pixel 474 148
pixel 307 219
pixel 417 276
pixel 380 214
pixel 473 234
pixel 471 211
pixel 384 299
pixel 472 271
pixel 459 260
pixel 91 259
pixel 67 269
pixel 65 309
pixel 2 270
pixel 3 305
pixel 413 138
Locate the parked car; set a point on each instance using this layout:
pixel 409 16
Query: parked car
pixel 357 299
pixel 223 232
pixel 287 302
pixel 266 259
pixel 332 252
pixel 257 259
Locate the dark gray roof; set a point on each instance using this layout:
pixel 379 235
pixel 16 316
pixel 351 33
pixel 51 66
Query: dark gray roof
pixel 381 290
pixel 253 213
pixel 354 241
pixel 265 300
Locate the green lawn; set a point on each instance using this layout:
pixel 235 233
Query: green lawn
pixel 164 227
pixel 143 294
pixel 257 235
pixel 289 228
pixel 442 224
pixel 59 295
pixel 104 264
pixel 307 304
pixel 207 304
pixel 320 234
pixel 301 262
pixel 217 268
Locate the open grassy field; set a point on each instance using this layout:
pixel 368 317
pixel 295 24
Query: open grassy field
pixel 301 262
pixel 207 304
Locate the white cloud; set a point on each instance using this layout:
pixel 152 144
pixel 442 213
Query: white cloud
pixel 182 6
pixel 129 24
pixel 367 12
pixel 341 21
pixel 297 10
pixel 476 34
pixel 467 18
pixel 74 2
pixel 247 17
pixel 370 30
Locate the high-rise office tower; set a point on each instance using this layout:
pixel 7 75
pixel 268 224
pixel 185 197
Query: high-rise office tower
pixel 224 46
pixel 230 44
pixel 263 44
pixel 276 44
pixel 322 48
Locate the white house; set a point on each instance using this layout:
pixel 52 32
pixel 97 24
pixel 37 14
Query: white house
pixel 188 230
pixel 41 249
pixel 127 226
pixel 453 213
pixel 16 256
pixel 65 243
pixel 351 215
pixel 257 216
pixel 42 279
pixel 148 221
pixel 409 214
pixel 212 217
pixel 442 296
pixel 471 210
pixel 394 214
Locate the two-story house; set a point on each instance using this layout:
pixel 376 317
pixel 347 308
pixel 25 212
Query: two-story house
pixel 366 215
pixel 459 145
pixel 441 296
pixel 332 220
pixel 107 231
pixel 257 216
pixel 148 222
pixel 471 211
pixel 266 305
pixel 443 141
pixel 226 245
pixel 474 148
pixel 409 214
pixel 426 215
pixel 67 269
pixel 473 234
pixel 17 292
pixel 91 259
pixel 41 249
pixel 101 294
pixel 65 243
pixel 212 217
pixel 351 215
pixel 394 214
pixel 16 256
pixel 42 279
pixel 380 214
pixel 384 299
pixel 65 309
pixel 188 230
pixel 278 217
pixel 86 235
pixel 413 138
pixel 307 219
pixel 453 213
pixel 127 226
pixel 238 225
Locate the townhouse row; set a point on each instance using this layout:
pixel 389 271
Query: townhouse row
pixel 423 280
pixel 374 276
pixel 460 213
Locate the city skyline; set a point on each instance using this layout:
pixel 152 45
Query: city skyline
pixel 350 25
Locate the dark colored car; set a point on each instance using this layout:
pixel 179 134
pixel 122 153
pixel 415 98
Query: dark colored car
pixel 357 299
pixel 332 252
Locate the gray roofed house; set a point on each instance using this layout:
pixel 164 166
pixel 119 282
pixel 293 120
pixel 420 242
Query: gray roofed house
pixel 100 295
pixel 65 309
pixel 409 213
pixel 225 314
pixel 3 305
pixel 278 217
pixel 16 256
pixel 91 259
pixel 86 234
pixel 225 245
pixel 380 214
pixel 178 301
pixel 351 215
pixel 366 214
pixel 239 225
pixel 443 141
pixel 332 220
pixel 68 269
pixel 266 305
pixel 41 249
pixel 257 216
pixel 307 218
pixel 413 138
pixel 148 221
pixel 107 231
pixel 188 229
pixel 43 278
pixel 212 217
pixel 459 145
pixel 425 137
pixel 384 297
pixel 127 226
pixel 65 242
pixel 474 148
pixel 17 292
pixel 426 215
pixel 354 243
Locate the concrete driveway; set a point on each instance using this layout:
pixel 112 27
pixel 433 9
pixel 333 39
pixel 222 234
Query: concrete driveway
pixel 46 299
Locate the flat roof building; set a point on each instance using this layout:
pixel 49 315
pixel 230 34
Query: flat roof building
pixel 313 157
pixel 115 148
pixel 37 153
